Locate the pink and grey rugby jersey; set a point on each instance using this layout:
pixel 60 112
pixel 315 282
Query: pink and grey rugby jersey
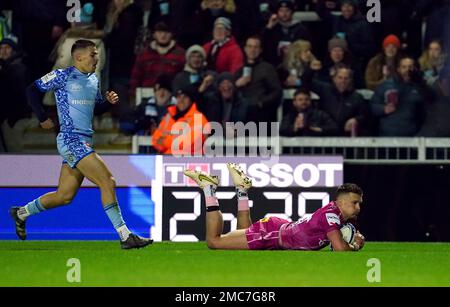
pixel 311 233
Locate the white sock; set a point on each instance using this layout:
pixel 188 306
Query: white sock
pixel 210 191
pixel 123 232
pixel 23 213
pixel 241 193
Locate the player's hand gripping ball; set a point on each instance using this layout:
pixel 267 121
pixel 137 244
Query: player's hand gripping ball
pixel 353 237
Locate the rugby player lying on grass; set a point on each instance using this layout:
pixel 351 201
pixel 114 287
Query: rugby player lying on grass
pixel 313 233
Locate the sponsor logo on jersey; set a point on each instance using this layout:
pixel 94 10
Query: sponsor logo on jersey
pixel 82 102
pixel 48 77
pixel 76 88
pixel 332 219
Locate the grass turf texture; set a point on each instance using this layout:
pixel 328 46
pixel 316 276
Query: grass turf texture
pixel 38 263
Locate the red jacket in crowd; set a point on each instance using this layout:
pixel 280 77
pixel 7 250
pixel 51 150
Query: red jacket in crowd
pixel 150 64
pixel 230 57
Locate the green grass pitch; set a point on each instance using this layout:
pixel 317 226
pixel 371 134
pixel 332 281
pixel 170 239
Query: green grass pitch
pixel 171 264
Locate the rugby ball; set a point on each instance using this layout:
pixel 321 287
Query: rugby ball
pixel 348 232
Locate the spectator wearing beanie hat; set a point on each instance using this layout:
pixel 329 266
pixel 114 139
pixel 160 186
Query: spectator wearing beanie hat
pixel 280 31
pixel 383 65
pixel 210 11
pixel 337 42
pixel 391 40
pixel 195 73
pixel 10 41
pixel 338 53
pixel 223 52
pixel 352 26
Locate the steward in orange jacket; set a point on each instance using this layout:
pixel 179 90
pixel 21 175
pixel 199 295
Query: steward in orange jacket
pixel 181 131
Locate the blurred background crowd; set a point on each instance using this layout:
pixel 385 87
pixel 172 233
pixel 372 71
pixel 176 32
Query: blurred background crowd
pixel 318 67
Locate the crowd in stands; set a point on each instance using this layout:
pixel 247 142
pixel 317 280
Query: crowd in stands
pixel 233 60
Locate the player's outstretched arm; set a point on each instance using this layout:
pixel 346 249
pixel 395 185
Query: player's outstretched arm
pixel 339 245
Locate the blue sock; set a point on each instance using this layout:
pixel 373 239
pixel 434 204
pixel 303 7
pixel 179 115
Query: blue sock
pixel 115 216
pixel 32 208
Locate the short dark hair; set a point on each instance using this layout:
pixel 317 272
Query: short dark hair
pixel 304 91
pixel 255 37
pixel 406 57
pixel 81 44
pixel 339 66
pixel 348 188
pixel 164 81
pixel 162 27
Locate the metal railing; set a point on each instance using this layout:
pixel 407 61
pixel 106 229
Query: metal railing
pixel 360 150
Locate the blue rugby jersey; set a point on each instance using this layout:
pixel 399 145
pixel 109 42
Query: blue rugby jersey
pixel 76 96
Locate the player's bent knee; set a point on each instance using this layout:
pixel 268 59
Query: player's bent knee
pixel 109 183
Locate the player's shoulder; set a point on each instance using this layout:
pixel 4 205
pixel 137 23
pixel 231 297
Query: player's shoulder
pixel 330 214
pixel 53 80
pixel 93 77
pixel 64 71
pixel 330 207
pixel 58 74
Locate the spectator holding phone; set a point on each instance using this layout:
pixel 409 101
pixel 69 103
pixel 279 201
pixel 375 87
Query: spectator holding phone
pixel 259 83
pixel 399 101
pixel 298 61
pixel 307 120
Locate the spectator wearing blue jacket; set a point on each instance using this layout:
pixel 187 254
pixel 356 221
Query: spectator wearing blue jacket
pixel 398 102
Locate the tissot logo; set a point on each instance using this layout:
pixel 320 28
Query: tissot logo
pixel 283 174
